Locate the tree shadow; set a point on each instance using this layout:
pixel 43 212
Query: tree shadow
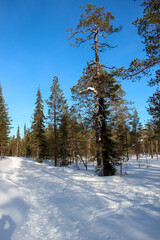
pixel 7 227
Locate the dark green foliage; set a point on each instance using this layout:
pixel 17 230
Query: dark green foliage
pixel 56 106
pixel 152 135
pixel 18 143
pixel 50 140
pixel 56 103
pixel 73 135
pixel 149 30
pixel 95 27
pixel 78 138
pixel 64 130
pixel 100 126
pixel 38 129
pixel 107 144
pixel 121 116
pixel 149 138
pixel 27 143
pixel 5 123
pixel 154 110
pixel 85 30
pixel 108 93
pixel 12 146
pixel 136 133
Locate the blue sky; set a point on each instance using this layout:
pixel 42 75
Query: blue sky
pixel 34 48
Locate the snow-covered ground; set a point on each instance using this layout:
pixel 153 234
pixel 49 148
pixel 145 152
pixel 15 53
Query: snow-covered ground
pixel 41 202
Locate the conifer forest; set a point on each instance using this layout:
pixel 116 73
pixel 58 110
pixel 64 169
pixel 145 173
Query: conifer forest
pixel 101 125
pixel 84 166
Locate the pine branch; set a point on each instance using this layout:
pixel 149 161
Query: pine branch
pixel 145 68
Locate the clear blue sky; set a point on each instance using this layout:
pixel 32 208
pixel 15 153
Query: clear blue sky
pixel 34 48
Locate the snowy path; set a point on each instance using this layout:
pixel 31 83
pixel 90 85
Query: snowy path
pixel 41 202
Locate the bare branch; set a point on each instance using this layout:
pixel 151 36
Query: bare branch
pixel 102 65
pixel 92 63
pixel 79 32
pixel 100 119
pixel 102 45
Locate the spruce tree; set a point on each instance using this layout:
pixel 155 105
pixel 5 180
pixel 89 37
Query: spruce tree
pixel 26 143
pixel 64 129
pixel 12 146
pixel 121 116
pixel 28 146
pixel 149 138
pixel 56 106
pixel 73 139
pixel 136 133
pixel 78 138
pixel 5 123
pixel 23 142
pixel 38 128
pixel 50 140
pixel 154 111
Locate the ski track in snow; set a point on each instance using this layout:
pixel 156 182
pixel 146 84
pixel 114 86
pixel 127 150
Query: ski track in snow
pixel 41 202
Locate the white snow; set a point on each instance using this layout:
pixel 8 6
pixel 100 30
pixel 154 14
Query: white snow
pixel 92 89
pixel 41 202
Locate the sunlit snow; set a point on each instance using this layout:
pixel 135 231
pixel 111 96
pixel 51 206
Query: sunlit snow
pixel 42 202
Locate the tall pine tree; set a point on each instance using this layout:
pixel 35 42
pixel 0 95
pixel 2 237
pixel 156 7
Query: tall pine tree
pixel 95 27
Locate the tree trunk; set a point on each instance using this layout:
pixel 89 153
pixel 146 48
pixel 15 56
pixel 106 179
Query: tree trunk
pixel 151 149
pixel 148 148
pixel 143 148
pixel 137 155
pixel 55 133
pixel 37 156
pixel 106 143
pixel 97 55
pixel 127 147
pixel 17 149
pixel 157 148
pixel 121 169
pixel 96 101
pixel 1 152
pixel 55 145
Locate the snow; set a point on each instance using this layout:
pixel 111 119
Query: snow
pixel 92 89
pixel 42 202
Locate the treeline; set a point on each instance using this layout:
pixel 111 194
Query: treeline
pixel 101 125
pixel 66 135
